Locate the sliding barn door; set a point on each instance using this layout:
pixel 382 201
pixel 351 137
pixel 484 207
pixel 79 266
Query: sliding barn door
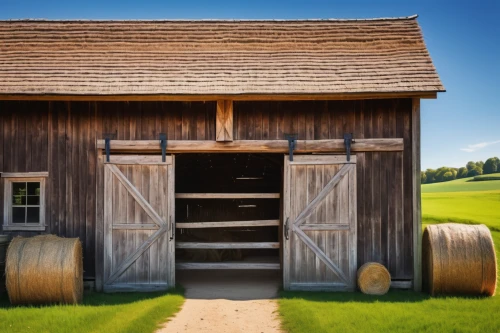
pixel 139 246
pixel 319 234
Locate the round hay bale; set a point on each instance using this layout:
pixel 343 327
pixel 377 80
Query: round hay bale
pixel 4 243
pixel 458 259
pixel 44 269
pixel 374 279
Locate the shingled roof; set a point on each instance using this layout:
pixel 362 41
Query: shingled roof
pixel 215 57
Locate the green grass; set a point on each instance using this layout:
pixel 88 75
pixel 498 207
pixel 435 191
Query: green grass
pixel 406 311
pixel 108 313
pixel 398 311
pixel 462 185
pixel 492 176
pixel 463 207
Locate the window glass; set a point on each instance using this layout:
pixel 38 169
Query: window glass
pixel 33 214
pixel 19 188
pixel 18 200
pixel 25 202
pixel 18 215
pixel 33 200
pixel 33 188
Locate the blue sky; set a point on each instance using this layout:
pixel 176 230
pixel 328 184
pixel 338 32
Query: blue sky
pixel 463 38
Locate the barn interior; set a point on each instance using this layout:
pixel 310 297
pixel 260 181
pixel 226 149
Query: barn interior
pixel 228 211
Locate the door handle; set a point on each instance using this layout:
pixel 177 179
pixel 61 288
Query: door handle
pixel 172 228
pixel 286 229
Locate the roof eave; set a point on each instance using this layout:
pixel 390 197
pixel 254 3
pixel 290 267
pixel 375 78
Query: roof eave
pixel 215 97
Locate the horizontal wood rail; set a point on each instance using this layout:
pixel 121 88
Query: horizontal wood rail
pixel 324 227
pixel 249 146
pixel 228 224
pixel 143 287
pixel 227 195
pixel 227 265
pixel 135 226
pixel 238 245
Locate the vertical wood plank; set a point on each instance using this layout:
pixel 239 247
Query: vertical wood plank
pixel 138 217
pixel 416 198
pixel 353 267
pixel 265 121
pixel 408 192
pixel 220 121
pixel 163 201
pixel 120 246
pixel 99 225
pixel 108 219
pixel 309 122
pixel 210 114
pixel 185 122
pixel 286 217
pixel 130 219
pixel 376 190
pixel 69 170
pixel 310 191
pixel 171 212
pixel 345 213
pixel 154 268
pixel 228 124
pixel 143 261
pixel 200 122
pixel 90 204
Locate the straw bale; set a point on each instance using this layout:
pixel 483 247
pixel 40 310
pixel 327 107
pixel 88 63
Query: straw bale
pixel 374 279
pixel 459 259
pixel 44 269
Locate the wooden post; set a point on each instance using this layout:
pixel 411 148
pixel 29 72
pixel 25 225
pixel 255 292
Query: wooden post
pixel 417 212
pixel 224 121
pixel 99 233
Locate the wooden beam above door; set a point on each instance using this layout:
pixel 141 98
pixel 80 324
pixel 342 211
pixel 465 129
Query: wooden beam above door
pixel 254 146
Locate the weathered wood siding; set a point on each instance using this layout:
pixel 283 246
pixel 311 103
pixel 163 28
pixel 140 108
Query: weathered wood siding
pixel 383 178
pixel 59 137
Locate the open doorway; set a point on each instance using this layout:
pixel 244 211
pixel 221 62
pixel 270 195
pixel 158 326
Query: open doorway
pixel 228 209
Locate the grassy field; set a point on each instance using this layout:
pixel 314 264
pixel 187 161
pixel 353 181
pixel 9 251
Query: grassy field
pixel 462 185
pixel 130 312
pixel 406 311
pixel 463 207
pixel 492 176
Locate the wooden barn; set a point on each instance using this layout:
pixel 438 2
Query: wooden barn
pixel 291 145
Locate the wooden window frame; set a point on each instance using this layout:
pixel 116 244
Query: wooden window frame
pixel 10 178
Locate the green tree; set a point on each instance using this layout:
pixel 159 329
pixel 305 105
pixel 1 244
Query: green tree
pixel 480 165
pixel 475 172
pixel 440 174
pixel 448 175
pixel 470 165
pixel 430 174
pixel 491 165
pixel 423 177
pixel 462 172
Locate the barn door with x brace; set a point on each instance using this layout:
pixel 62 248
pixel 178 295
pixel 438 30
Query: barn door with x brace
pixel 139 229
pixel 319 232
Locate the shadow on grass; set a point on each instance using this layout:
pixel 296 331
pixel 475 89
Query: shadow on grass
pixel 437 220
pixel 393 296
pixel 102 299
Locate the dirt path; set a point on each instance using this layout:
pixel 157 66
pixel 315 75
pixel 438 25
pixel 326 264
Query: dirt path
pixel 227 301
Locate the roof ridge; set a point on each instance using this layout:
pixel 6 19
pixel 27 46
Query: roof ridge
pixel 411 17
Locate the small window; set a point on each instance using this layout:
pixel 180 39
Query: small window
pixel 24 207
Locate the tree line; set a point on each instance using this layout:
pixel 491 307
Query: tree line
pixel 472 169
